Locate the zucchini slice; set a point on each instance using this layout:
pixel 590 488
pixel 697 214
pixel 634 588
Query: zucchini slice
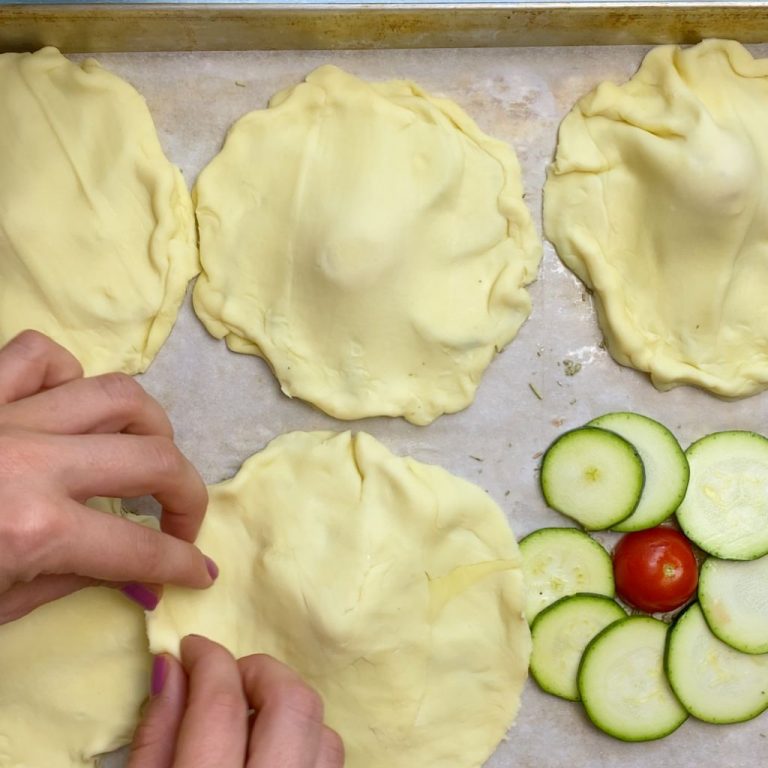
pixel 560 634
pixel 725 510
pixel 666 468
pixel 622 682
pixel 714 682
pixel 563 561
pixel 734 599
pixel 592 475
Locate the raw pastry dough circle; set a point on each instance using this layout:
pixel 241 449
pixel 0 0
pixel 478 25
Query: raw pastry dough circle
pixel 392 586
pixel 73 676
pixel 658 200
pixel 370 242
pixel 97 238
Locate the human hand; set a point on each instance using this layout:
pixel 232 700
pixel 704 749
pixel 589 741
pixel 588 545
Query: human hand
pixel 65 439
pixel 199 715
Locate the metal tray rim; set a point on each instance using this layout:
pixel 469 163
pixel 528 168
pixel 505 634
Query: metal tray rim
pixel 102 27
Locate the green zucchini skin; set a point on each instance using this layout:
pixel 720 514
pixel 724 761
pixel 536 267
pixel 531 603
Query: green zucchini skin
pixel 725 509
pixel 561 632
pixel 714 682
pixel 593 476
pixel 622 683
pixel 733 595
pixel 563 561
pixel 666 467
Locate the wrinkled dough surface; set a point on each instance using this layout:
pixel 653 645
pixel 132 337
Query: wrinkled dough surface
pixel 97 239
pixel 658 200
pixel 392 586
pixel 73 676
pixel 368 241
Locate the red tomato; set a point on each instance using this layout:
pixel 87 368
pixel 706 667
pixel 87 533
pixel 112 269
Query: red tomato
pixel 655 570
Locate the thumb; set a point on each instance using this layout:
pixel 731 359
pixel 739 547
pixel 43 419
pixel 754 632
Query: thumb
pixel 154 744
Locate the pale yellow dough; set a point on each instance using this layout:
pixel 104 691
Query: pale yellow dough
pixel 394 587
pixel 370 242
pixel 97 238
pixel 73 676
pixel 658 200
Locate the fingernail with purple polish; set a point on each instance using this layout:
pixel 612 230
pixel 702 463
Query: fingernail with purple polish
pixel 213 569
pixel 146 598
pixel 159 675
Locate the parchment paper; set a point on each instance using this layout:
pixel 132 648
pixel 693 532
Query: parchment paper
pixel 227 406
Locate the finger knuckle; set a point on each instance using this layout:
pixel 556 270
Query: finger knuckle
pixel 225 705
pixel 165 456
pixel 26 535
pixel 148 547
pixel 301 700
pixel 123 392
pixel 31 345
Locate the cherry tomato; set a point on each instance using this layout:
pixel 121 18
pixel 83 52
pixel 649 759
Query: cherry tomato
pixel 655 570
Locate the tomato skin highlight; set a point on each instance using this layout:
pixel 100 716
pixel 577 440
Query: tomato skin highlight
pixel 655 570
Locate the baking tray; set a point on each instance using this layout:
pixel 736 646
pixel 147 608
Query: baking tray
pixel 98 27
pixel 226 406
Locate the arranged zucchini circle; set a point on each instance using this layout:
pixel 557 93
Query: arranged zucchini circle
pixel 734 599
pixel 637 678
pixel 725 509
pixel 593 476
pixel 714 682
pixel 664 462
pixel 563 561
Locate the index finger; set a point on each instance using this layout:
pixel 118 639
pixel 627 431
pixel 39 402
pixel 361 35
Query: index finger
pixel 289 715
pixel 126 466
pixel 83 541
pixel 109 403
pixel 213 732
